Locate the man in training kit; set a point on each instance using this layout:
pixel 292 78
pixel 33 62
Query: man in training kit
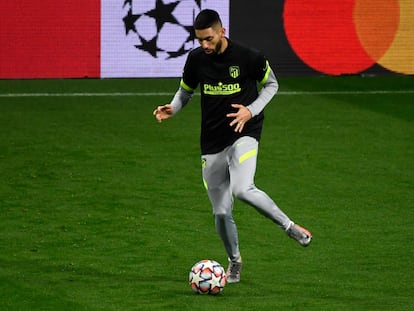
pixel 232 120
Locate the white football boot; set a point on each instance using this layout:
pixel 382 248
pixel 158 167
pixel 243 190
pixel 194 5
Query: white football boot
pixel 233 271
pixel 303 236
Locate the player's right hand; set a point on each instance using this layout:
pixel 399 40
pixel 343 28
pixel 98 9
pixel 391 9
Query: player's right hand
pixel 163 112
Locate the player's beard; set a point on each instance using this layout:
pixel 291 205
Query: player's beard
pixel 216 50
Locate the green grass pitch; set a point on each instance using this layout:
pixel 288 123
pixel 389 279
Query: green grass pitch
pixel 102 208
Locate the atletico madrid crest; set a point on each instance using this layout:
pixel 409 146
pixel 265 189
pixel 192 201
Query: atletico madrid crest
pixel 234 71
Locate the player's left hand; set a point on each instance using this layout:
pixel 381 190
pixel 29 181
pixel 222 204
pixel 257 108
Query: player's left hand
pixel 240 117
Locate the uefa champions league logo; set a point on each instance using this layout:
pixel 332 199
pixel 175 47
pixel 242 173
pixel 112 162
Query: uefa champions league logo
pixel 163 28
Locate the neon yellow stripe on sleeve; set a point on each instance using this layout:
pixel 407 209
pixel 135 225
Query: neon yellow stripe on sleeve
pixel 266 76
pixel 186 87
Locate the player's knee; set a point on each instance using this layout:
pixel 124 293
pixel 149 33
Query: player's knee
pixel 222 219
pixel 243 193
pixel 221 214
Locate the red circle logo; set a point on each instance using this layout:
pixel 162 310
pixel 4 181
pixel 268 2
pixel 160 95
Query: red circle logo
pixel 349 36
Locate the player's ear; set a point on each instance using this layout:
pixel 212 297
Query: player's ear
pixel 223 32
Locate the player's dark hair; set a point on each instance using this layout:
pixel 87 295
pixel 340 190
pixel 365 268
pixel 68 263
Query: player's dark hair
pixel 206 19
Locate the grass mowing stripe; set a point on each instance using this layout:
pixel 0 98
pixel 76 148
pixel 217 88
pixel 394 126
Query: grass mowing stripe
pixel 286 93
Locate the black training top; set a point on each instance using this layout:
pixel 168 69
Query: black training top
pixel 225 79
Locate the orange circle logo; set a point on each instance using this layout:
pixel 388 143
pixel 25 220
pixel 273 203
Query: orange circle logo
pixel 349 36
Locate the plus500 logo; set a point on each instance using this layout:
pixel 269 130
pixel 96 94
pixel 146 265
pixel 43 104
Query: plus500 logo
pixel 221 89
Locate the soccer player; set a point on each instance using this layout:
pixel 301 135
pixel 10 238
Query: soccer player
pixel 231 124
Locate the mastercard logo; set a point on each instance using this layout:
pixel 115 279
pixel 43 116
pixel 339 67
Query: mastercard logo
pixel 350 36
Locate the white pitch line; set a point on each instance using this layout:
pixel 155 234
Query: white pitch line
pixel 283 93
pixel 86 94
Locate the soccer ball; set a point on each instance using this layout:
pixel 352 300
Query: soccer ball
pixel 207 277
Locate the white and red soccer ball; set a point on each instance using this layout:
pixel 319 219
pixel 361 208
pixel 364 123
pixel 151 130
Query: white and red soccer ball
pixel 207 277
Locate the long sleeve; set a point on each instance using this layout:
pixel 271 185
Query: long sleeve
pixel 269 89
pixel 180 99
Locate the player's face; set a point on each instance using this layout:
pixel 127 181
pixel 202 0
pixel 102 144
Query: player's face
pixel 211 39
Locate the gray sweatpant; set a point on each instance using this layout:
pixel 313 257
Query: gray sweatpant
pixel 231 173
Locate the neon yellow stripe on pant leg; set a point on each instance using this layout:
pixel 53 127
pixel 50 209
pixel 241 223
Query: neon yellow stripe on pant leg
pixel 247 155
pixel 205 184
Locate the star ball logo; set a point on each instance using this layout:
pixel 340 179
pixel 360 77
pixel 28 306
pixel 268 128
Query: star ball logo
pixel 163 28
